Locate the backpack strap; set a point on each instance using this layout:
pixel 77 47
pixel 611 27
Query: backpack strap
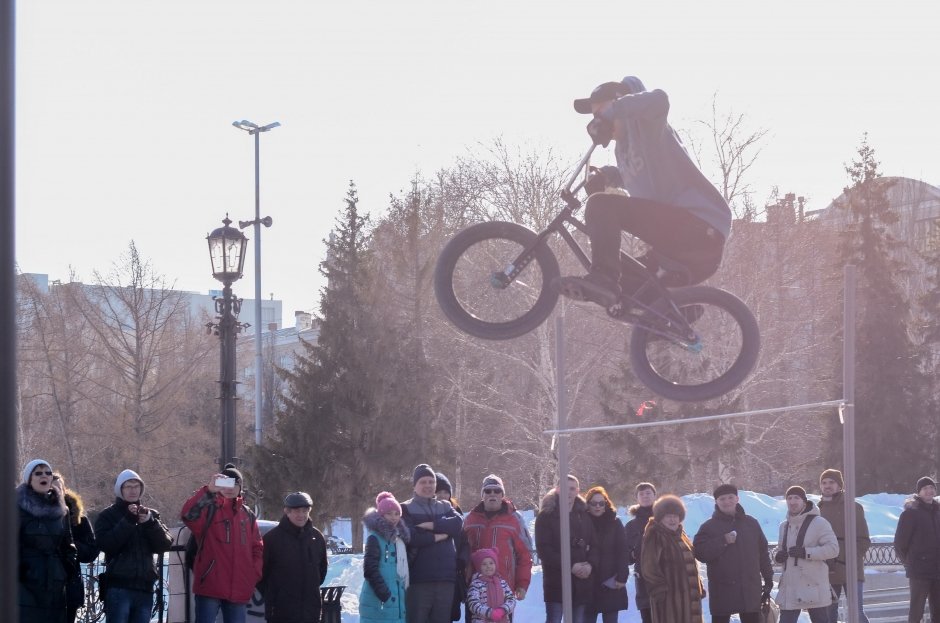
pixel 801 535
pixel 209 515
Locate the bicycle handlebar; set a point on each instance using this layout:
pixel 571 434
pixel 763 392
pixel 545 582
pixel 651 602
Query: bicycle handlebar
pixel 582 166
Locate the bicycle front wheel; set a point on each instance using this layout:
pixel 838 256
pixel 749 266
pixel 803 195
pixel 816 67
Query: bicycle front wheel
pixel 474 288
pixel 723 352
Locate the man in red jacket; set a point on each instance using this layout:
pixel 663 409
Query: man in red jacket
pixel 229 560
pixel 494 523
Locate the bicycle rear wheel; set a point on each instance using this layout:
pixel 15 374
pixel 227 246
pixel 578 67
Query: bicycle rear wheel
pixel 720 355
pixel 473 288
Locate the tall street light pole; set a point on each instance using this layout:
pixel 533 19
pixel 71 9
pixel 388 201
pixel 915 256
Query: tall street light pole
pixel 256 130
pixel 227 253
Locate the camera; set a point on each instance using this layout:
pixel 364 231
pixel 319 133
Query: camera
pixel 142 510
pixel 224 483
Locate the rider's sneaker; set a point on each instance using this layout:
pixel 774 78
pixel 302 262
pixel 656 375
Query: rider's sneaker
pixel 592 287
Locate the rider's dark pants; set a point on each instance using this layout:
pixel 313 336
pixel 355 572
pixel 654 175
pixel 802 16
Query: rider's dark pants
pixel 671 231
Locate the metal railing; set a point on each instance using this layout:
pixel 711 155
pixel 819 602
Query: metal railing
pixel 93 610
pixel 878 555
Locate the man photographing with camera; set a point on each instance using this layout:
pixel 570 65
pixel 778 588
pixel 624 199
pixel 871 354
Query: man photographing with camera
pixel 229 556
pixel 130 534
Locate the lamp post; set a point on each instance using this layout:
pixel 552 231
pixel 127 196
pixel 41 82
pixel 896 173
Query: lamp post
pixel 256 130
pixel 227 253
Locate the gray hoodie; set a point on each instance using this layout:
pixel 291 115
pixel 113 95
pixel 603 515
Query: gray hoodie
pixel 654 163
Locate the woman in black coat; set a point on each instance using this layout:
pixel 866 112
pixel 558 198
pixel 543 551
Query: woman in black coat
pixel 46 552
pixel 548 544
pixel 613 565
pixel 83 535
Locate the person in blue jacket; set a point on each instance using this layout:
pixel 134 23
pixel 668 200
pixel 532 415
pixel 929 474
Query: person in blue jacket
pixel 385 564
pixel 432 552
pixel 656 193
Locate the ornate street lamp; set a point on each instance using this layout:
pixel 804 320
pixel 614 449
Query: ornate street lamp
pixel 227 253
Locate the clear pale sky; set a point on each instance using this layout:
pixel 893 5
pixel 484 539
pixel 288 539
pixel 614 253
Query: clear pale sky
pixel 124 107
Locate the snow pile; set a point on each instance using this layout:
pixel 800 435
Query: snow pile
pixel 881 511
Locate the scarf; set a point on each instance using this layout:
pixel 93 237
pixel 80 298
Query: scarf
pixel 494 590
pixel 401 562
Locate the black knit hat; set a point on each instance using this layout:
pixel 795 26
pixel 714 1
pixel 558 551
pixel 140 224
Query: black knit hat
pixel 834 474
pixel 668 505
pixel 796 490
pixel 442 484
pixel 925 481
pixel 421 471
pixel 232 472
pixel 724 489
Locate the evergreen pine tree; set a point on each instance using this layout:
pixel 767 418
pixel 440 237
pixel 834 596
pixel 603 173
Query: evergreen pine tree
pixel 346 420
pixel 890 386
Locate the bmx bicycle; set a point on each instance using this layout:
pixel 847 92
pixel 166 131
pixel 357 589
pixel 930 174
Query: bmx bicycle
pixel 494 280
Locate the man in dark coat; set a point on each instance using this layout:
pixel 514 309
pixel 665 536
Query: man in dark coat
pixel 734 548
pixel 130 534
pixel 917 542
pixel 641 512
pixel 294 565
pixel 584 556
pixel 432 552
pixel 832 509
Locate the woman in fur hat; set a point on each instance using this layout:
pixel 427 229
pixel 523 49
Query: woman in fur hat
pixel 84 538
pixel 46 552
pixel 668 566
pixel 385 564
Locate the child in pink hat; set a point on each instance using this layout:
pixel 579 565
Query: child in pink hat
pixel 489 597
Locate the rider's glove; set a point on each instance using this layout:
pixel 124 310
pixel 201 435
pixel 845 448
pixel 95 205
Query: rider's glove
pixel 601 131
pixel 596 182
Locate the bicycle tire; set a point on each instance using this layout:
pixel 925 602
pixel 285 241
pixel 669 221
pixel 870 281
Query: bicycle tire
pixel 463 281
pixel 725 353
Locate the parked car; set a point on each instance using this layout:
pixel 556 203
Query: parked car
pixel 337 545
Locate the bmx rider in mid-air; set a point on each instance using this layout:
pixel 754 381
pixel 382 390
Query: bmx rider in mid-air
pixel 668 203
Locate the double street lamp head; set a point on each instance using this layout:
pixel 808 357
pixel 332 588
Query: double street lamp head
pixel 227 252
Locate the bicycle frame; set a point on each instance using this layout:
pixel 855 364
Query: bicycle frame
pixel 559 224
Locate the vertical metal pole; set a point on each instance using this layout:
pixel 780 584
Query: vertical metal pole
pixel 9 544
pixel 259 378
pixel 227 328
pixel 563 501
pixel 848 444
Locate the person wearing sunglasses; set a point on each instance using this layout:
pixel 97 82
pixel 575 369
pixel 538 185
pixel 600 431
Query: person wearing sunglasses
pixel 494 523
pixel 613 565
pixel 47 553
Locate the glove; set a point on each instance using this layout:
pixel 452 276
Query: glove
pixel 596 182
pixel 601 131
pixel 497 614
pixel 797 552
pixel 780 556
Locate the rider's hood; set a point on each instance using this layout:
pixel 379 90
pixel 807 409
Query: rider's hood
pixel 634 84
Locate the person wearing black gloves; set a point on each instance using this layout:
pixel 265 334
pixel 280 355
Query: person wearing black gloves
pixel 294 565
pixel 130 534
pixel 669 203
pixel 806 542
pixel 734 548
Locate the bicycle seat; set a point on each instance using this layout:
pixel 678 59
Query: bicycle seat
pixel 670 273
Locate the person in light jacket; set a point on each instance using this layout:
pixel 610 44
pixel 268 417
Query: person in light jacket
pixel 804 582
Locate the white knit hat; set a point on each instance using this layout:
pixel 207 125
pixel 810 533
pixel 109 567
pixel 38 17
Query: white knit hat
pixel 28 470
